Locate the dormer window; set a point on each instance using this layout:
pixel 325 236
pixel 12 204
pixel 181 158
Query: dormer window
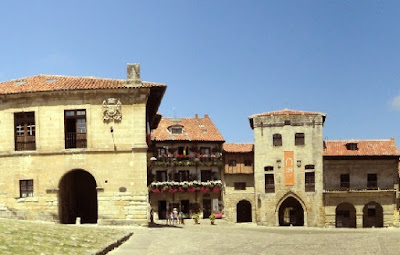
pixel 352 146
pixel 176 129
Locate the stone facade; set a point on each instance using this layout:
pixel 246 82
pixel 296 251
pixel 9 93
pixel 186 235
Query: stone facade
pixel 107 170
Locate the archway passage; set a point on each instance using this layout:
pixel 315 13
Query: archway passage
pixel 372 215
pixel 77 197
pixel 291 213
pixel 243 211
pixel 345 216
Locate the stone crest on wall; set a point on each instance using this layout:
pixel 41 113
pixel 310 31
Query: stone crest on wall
pixel 112 109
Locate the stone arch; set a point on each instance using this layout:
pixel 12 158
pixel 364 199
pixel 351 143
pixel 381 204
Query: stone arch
pixel 372 215
pixel 345 216
pixel 243 211
pixel 291 211
pixel 77 197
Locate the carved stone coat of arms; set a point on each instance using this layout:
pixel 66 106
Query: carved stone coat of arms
pixel 112 109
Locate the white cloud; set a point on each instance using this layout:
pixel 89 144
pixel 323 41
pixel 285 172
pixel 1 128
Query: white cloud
pixel 395 103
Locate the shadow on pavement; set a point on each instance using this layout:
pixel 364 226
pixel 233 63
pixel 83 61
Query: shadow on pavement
pixel 155 225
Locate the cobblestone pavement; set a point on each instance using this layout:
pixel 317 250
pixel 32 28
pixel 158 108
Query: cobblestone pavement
pixel 229 238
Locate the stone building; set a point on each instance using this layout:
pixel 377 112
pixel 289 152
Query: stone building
pixel 238 181
pixel 75 147
pixel 185 167
pixel 288 169
pixel 361 183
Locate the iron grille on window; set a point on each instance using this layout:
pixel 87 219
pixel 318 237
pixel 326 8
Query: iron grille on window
pixel 24 123
pixel 26 188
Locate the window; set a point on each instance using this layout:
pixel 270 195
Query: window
pixel 352 146
pixel 206 175
pixel 181 176
pixel 162 152
pixel 269 168
pixel 299 139
pixel 277 140
pixel 345 181
pixel 24 124
pixel 269 183
pixel 239 185
pixel 287 122
pixel 161 176
pixel 310 182
pixel 205 151
pixel 176 130
pixel 232 162
pixel 26 188
pixel 248 162
pixel 371 211
pixel 308 167
pixel 372 181
pixel 75 128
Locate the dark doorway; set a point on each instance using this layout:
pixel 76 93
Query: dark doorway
pixel 345 216
pixel 243 211
pixel 372 215
pixel 206 208
pixel 291 213
pixel 162 210
pixel 185 207
pixel 77 197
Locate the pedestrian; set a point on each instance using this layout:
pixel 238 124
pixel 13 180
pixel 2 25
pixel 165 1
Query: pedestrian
pixel 175 215
pixel 181 217
pixel 151 215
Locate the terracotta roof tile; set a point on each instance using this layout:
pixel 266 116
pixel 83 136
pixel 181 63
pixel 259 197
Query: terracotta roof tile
pixel 42 83
pixel 287 112
pixel 364 148
pixel 238 147
pixel 194 129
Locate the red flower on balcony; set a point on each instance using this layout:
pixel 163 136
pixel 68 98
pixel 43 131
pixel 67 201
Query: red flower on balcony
pixel 191 189
pixel 204 190
pixel 216 190
pixel 172 190
pixel 181 189
pixel 156 191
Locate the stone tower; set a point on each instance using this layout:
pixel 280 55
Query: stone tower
pixel 288 172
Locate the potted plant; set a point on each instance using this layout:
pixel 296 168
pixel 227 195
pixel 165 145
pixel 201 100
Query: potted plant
pixel 196 218
pixel 212 219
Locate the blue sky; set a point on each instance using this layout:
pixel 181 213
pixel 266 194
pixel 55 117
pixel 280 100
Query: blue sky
pixel 228 59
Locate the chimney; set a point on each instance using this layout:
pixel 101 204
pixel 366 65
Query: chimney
pixel 196 116
pixel 206 116
pixel 133 72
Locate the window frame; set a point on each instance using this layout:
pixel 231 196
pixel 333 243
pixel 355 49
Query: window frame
pixel 77 139
pixel 309 181
pixel 24 126
pixel 270 185
pixel 299 139
pixel 26 188
pixel 277 140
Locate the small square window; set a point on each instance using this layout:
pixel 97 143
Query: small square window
pixel 26 188
pixel 240 185
pixel 269 168
pixel 299 139
pixel 287 122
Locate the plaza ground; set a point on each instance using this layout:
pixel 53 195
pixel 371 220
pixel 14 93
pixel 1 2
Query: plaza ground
pixel 248 238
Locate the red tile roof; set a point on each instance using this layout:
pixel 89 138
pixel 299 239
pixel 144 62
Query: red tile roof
pixel 42 83
pixel 365 148
pixel 194 129
pixel 287 112
pixel 238 147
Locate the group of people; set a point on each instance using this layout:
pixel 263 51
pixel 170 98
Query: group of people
pixel 173 217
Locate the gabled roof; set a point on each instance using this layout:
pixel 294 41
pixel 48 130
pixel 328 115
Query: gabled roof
pixel 287 112
pixel 43 83
pixel 194 129
pixel 238 147
pixel 364 148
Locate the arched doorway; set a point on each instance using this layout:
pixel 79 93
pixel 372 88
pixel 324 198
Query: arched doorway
pixel 243 211
pixel 77 197
pixel 345 216
pixel 372 215
pixel 291 213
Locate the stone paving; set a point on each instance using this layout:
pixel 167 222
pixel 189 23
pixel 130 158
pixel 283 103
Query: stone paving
pixel 229 238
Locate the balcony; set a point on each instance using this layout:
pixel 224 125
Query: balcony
pixel 188 160
pixel 186 186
